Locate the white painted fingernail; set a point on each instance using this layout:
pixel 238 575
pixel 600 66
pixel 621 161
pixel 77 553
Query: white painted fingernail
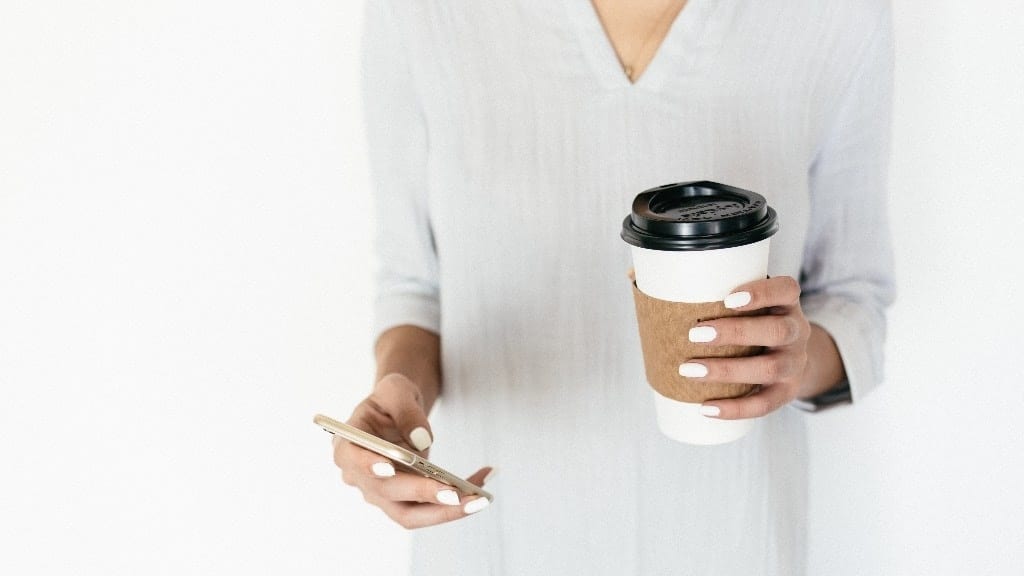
pixel 737 299
pixel 693 370
pixel 490 476
pixel 474 506
pixel 449 497
pixel 421 438
pixel 383 469
pixel 710 411
pixel 702 334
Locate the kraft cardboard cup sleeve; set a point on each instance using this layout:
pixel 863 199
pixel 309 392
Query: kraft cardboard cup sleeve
pixel 692 244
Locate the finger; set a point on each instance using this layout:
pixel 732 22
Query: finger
pixel 767 368
pixel 408 487
pixel 359 464
pixel 482 476
pixel 768 400
pixel 404 404
pixel 766 330
pixel 777 291
pixel 412 516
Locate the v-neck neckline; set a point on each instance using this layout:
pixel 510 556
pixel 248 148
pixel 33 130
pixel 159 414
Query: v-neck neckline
pixel 600 52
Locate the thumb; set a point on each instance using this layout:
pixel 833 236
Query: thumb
pixel 403 401
pixel 481 476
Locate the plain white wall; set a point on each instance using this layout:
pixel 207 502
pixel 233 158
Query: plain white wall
pixel 184 281
pixel 184 278
pixel 926 478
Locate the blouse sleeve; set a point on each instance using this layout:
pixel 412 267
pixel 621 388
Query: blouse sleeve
pixel 407 279
pixel 847 272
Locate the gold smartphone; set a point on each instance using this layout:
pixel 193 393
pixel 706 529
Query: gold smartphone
pixel 406 458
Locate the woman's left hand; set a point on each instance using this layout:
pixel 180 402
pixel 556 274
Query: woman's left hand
pixel 780 369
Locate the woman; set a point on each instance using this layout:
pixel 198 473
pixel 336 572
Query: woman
pixel 507 141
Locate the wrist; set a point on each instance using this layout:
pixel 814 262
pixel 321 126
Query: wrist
pixel 824 368
pixel 414 353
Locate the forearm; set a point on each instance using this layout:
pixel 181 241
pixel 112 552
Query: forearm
pixel 416 354
pixel 824 368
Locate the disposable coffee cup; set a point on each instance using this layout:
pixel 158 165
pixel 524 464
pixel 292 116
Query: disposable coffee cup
pixel 693 244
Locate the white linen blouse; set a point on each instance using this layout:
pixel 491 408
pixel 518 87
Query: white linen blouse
pixel 506 145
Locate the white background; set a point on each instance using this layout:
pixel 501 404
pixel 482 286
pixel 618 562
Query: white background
pixel 185 279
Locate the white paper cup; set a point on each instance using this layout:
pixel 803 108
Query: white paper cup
pixel 695 277
pixel 677 260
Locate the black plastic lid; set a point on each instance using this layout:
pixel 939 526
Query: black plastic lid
pixel 699 215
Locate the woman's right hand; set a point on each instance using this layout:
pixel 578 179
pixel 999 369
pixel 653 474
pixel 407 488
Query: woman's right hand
pixel 394 411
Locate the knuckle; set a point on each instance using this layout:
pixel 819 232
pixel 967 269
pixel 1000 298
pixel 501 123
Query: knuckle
pixel 796 364
pixel 367 406
pixel 752 407
pixel 781 330
pixel 791 329
pixel 772 368
pixel 344 456
pixel 776 332
pixel 762 406
pixel 775 400
pixel 777 404
pixel 724 370
pixel 389 380
pixel 340 454
pixel 395 383
pixel 785 366
pixel 804 327
pixel 790 289
pixel 735 331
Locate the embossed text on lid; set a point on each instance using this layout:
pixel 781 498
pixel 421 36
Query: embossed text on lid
pixel 700 215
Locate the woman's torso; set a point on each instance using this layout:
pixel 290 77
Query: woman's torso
pixel 538 143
